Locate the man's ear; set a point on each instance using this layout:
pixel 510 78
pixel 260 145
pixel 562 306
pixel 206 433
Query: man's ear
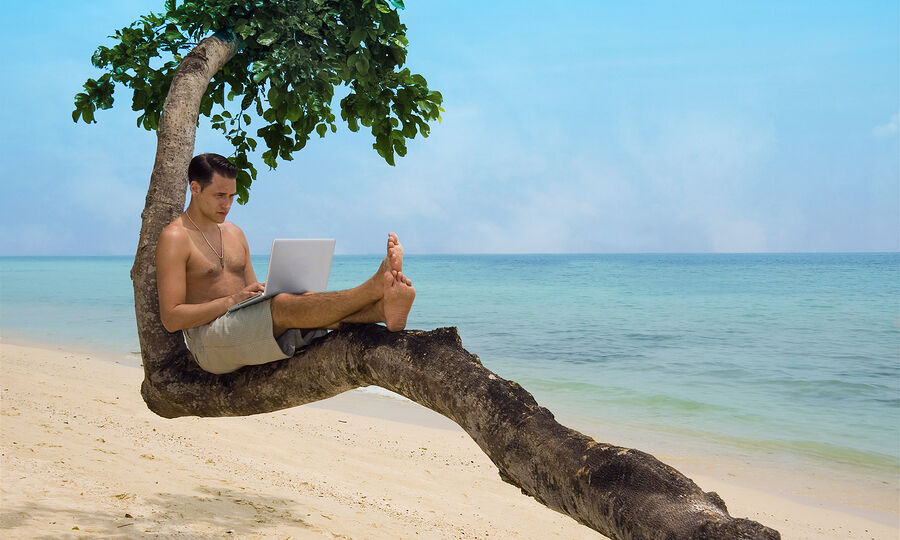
pixel 195 187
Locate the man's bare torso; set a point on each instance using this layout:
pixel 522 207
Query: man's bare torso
pixel 205 278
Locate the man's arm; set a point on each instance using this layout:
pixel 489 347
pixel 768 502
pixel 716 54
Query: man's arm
pixel 249 274
pixel 172 254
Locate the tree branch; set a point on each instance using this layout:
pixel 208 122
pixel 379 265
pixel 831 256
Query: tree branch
pixel 619 492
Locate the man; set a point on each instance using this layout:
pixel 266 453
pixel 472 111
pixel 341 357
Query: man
pixel 203 268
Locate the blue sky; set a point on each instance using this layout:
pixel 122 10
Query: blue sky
pixel 568 127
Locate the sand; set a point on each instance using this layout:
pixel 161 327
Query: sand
pixel 82 456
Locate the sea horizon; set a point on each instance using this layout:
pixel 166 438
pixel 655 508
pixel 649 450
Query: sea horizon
pixel 488 254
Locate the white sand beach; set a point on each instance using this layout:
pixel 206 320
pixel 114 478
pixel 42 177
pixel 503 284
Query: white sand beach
pixel 82 456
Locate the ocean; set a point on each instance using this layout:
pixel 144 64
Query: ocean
pixel 779 355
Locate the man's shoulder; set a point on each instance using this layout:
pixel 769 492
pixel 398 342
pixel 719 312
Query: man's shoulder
pixel 174 237
pixel 230 228
pixel 174 231
pixel 228 225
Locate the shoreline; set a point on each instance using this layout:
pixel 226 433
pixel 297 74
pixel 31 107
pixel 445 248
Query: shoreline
pixel 749 489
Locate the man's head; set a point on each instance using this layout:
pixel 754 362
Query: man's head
pixel 213 186
pixel 203 166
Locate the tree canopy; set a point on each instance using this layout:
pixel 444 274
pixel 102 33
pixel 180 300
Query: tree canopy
pixel 291 54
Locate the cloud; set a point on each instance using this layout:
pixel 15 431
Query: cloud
pixel 887 130
pixel 672 183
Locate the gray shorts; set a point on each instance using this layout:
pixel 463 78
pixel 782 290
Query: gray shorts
pixel 243 338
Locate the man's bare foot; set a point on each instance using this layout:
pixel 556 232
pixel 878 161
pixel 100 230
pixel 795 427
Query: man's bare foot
pixel 393 261
pixel 395 252
pixel 398 299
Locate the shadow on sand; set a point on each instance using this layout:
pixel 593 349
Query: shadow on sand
pixel 211 513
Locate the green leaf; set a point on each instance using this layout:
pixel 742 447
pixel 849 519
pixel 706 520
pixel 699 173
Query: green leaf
pixel 269 158
pixel 206 105
pixel 219 95
pixel 243 30
pixel 267 38
pixel 358 35
pixel 320 129
pixel 247 100
pixel 243 195
pixel 362 64
pixel 274 95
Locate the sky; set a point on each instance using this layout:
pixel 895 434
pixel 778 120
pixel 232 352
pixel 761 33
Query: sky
pixel 569 127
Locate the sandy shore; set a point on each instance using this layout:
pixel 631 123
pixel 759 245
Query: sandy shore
pixel 82 455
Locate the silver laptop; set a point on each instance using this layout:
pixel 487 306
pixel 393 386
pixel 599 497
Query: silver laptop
pixel 295 266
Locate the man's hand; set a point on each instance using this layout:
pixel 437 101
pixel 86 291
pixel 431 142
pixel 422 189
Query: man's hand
pixel 248 292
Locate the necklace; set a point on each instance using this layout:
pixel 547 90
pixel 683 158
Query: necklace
pixel 221 241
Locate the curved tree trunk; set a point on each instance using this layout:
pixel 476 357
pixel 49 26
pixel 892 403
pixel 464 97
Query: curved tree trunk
pixel 622 493
pixel 168 188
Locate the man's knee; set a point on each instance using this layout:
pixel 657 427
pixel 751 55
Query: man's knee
pixel 278 305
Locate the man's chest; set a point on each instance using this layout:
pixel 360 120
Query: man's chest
pixel 212 259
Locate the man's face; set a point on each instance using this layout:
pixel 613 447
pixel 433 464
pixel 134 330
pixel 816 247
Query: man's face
pixel 214 201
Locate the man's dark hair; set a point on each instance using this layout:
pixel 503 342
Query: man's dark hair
pixel 203 166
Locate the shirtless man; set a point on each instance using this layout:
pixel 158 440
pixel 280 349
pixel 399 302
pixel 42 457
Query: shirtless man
pixel 203 268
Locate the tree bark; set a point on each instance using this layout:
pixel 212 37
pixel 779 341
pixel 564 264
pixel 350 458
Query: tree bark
pixel 622 493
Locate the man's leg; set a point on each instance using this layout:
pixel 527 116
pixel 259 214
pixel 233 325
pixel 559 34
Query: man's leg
pixel 400 295
pixel 385 297
pixel 324 310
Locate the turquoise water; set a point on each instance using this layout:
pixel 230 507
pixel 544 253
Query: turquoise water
pixel 790 353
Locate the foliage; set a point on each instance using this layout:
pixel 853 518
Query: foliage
pixel 291 55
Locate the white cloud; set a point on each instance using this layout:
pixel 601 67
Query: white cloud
pixel 889 129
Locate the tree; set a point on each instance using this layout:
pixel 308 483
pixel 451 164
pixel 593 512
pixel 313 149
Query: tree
pixel 282 58
pixel 287 57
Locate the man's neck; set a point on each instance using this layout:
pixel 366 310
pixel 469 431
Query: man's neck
pixel 197 218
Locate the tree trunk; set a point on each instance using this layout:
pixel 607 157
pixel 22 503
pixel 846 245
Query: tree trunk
pixel 622 493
